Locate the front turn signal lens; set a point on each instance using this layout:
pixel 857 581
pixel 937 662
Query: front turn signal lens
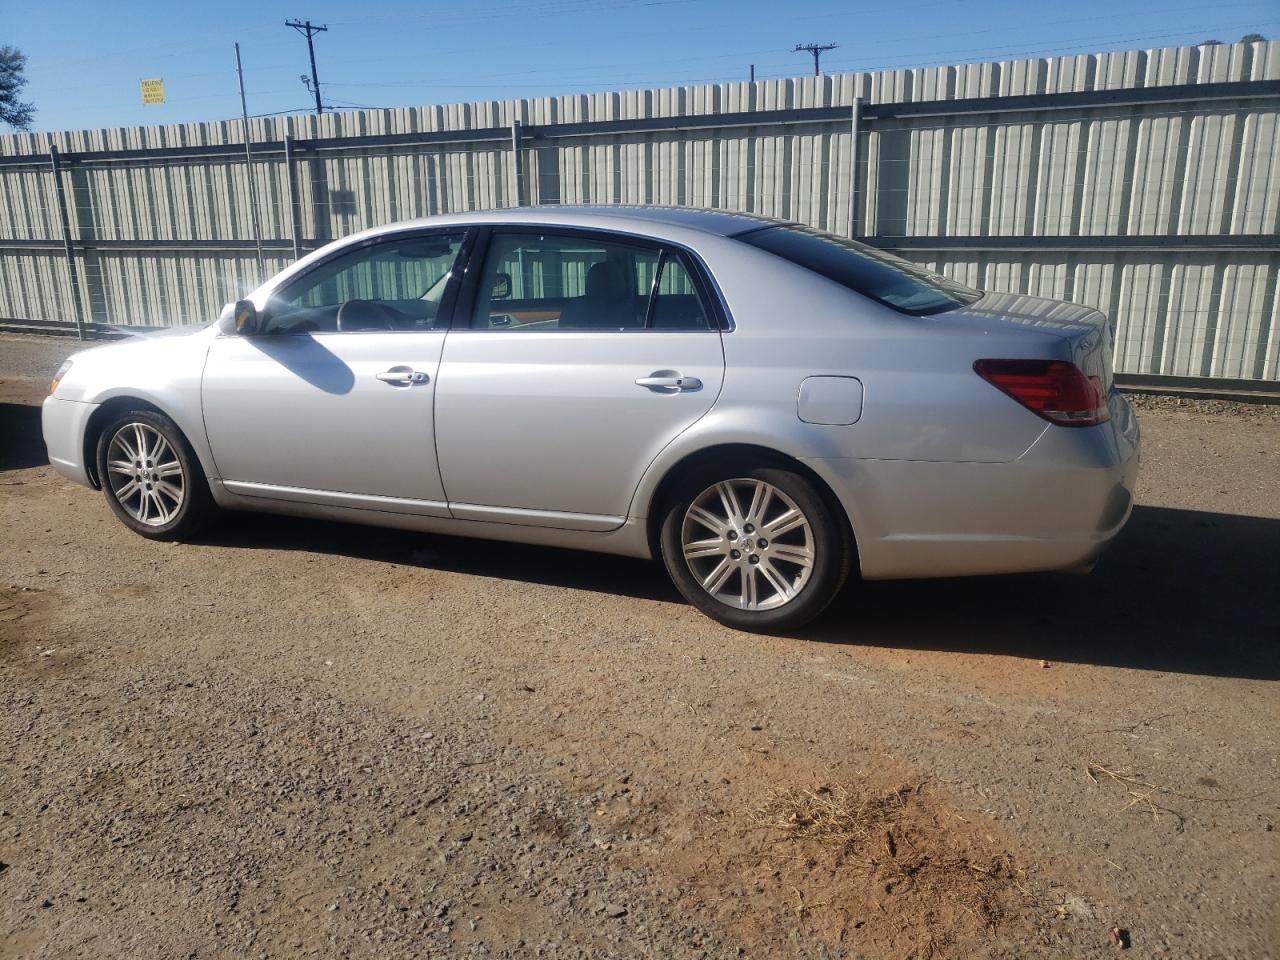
pixel 57 377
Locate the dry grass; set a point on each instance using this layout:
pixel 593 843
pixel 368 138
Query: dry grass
pixel 832 814
pixel 913 860
pixel 1142 793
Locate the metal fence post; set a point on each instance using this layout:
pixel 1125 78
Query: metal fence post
pixel 853 167
pixel 72 274
pixel 291 189
pixel 517 166
pixel 248 170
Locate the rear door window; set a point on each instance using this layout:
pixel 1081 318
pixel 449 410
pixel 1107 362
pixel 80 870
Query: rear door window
pixel 906 287
pixel 566 281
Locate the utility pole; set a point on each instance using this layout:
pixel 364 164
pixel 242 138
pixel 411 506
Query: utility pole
pixel 248 166
pixel 753 73
pixel 306 28
pixel 817 49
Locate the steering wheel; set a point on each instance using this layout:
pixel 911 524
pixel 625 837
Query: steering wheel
pixel 365 315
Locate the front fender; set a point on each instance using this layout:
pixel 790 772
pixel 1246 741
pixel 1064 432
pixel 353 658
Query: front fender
pixel 164 373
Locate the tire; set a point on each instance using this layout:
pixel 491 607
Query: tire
pixel 161 494
pixel 710 556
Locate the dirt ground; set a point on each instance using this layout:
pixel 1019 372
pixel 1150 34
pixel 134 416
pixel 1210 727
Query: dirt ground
pixel 297 738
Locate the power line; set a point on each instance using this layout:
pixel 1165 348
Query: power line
pixel 541 78
pixel 358 106
pixel 982 54
pixel 279 113
pixel 1021 50
pixel 306 28
pixel 817 49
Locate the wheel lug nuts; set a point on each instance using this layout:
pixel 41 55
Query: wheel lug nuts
pixel 762 543
pixel 731 535
pixel 736 554
pixel 749 528
pixel 753 559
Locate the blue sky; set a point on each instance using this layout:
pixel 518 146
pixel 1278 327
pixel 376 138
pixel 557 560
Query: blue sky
pixel 85 59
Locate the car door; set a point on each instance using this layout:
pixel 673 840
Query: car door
pixel 573 360
pixel 330 399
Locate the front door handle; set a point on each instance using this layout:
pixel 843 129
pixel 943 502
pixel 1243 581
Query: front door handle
pixel 669 382
pixel 403 376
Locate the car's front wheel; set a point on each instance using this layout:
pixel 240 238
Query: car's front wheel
pixel 758 549
pixel 151 477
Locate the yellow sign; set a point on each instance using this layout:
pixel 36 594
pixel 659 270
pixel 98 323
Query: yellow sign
pixel 153 91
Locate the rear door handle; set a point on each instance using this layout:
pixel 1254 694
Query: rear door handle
pixel 402 375
pixel 669 382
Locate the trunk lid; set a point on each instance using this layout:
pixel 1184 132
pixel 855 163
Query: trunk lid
pixel 1088 332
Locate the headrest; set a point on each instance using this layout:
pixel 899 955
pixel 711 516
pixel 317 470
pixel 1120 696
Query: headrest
pixel 606 281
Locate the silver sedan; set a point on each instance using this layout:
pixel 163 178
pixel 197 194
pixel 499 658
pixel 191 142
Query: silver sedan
pixel 765 407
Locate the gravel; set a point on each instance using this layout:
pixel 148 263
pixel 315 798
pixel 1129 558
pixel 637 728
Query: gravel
pixel 299 738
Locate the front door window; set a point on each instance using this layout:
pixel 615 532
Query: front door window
pixel 394 285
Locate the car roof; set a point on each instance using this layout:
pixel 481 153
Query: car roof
pixel 654 220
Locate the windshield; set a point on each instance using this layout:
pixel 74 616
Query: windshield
pixel 906 287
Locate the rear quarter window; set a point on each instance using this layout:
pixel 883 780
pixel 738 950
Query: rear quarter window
pixel 904 286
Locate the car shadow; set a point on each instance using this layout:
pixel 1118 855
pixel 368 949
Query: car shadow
pixel 308 359
pixel 21 442
pixel 549 566
pixel 1180 591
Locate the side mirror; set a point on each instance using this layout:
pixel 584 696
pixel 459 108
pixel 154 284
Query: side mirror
pixel 501 286
pixel 239 318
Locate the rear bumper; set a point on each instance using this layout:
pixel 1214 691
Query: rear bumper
pixel 1056 507
pixel 63 423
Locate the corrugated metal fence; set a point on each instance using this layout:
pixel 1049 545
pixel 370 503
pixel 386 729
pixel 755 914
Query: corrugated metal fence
pixel 1146 183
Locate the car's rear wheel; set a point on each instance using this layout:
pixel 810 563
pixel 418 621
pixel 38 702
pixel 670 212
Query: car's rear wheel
pixel 757 549
pixel 151 477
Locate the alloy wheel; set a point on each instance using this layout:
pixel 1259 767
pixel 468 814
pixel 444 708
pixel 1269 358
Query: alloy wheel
pixel 145 474
pixel 748 544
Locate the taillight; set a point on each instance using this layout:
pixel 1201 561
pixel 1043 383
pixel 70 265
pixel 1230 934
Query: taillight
pixel 1053 389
